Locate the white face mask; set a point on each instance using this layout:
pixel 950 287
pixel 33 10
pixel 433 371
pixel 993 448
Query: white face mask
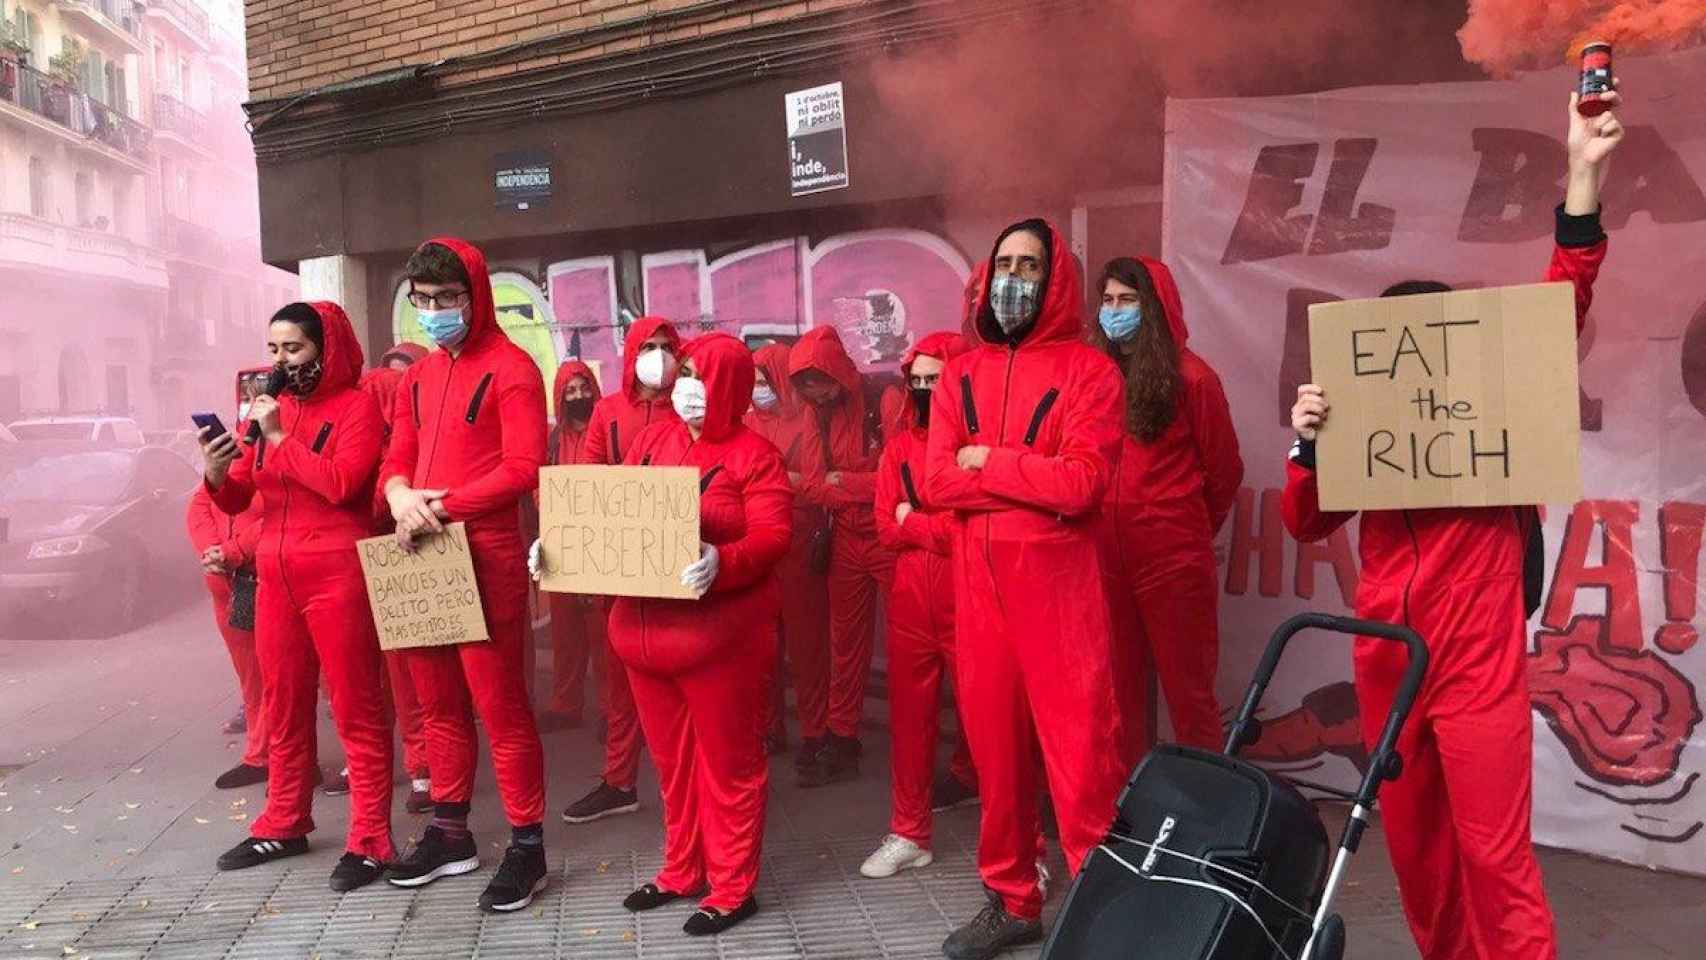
pixel 763 397
pixel 654 368
pixel 243 410
pixel 689 400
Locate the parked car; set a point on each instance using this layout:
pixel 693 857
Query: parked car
pixel 98 431
pixel 91 539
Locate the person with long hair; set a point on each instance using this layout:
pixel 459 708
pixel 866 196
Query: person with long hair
pixel 1024 429
pixel 697 667
pixel 313 469
pixel 1176 478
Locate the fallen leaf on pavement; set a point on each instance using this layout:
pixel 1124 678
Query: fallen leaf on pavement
pixel 131 806
pixel 589 931
pixel 604 866
pixel 17 870
pixel 72 827
pixel 123 816
pixel 31 925
pixel 144 905
pixel 202 820
pixel 135 769
pixel 627 936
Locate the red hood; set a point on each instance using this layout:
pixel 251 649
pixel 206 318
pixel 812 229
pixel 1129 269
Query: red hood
pixel 944 346
pixel 411 352
pixel 1167 290
pixel 341 358
pixel 642 330
pixel 976 285
pixel 773 360
pixel 821 350
pixel 382 383
pixel 567 372
pixel 1061 317
pixel 482 314
pixel 725 365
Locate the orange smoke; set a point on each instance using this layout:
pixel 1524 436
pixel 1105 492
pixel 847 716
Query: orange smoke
pixel 1508 35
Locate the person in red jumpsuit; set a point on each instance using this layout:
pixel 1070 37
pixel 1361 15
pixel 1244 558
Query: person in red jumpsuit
pixel 225 546
pixel 467 443
pixel 839 461
pixel 697 667
pixel 383 382
pixel 402 356
pixel 920 618
pixel 777 416
pixel 577 622
pixel 1174 484
pixel 1458 820
pixel 649 357
pixel 1024 434
pixel 312 468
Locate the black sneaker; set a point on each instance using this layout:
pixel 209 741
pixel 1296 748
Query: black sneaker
pixel 810 747
pixel 604 801
pixel 650 896
pixel 336 785
pixel 836 762
pixel 989 933
pixel 949 792
pixel 255 851
pixel 520 876
pixel 708 921
pixel 435 856
pixel 355 871
pixel 242 775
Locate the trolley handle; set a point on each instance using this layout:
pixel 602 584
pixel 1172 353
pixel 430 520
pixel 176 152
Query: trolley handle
pixel 1384 762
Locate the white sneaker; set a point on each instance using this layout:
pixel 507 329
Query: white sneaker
pixel 1042 880
pixel 896 854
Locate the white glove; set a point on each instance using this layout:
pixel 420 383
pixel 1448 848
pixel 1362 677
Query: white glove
pixel 700 574
pixel 535 561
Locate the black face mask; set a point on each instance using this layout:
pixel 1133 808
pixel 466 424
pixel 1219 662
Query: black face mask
pixel 579 410
pixel 921 406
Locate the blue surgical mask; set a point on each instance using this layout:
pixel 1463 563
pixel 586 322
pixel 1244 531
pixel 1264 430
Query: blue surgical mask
pixel 1119 323
pixel 445 327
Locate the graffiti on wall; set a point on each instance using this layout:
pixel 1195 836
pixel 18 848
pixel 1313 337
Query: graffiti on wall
pixel 881 289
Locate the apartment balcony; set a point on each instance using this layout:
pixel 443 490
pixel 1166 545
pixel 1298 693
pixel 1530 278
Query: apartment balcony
pixel 180 126
pixel 183 19
pixel 115 21
pixel 40 246
pixel 185 241
pixel 50 105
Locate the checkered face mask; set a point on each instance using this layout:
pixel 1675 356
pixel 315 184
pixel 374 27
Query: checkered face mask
pixel 1013 301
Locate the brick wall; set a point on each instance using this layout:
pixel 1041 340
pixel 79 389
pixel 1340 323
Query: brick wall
pixel 296 46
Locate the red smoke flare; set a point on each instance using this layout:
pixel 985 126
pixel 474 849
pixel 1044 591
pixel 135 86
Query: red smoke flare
pixel 1509 35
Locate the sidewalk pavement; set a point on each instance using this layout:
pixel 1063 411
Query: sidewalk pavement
pixel 109 825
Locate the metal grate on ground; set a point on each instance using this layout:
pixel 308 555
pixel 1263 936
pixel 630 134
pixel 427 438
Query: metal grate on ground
pixel 815 905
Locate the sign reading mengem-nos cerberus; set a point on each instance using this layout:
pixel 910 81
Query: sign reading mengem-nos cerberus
pixel 817 140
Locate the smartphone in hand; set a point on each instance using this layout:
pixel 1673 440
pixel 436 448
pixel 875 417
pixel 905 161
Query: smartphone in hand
pixel 210 422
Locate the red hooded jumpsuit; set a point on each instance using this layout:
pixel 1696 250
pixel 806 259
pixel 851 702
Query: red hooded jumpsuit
pixel 577 622
pixel 1169 496
pixel 697 667
pixel 383 383
pixel 1458 819
pixel 473 423
pixel 616 423
pixel 805 595
pixel 316 489
pixel 860 567
pixel 920 615
pixel 1031 617
pixel 237 537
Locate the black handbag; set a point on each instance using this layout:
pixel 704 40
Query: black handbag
pixel 242 613
pixel 823 538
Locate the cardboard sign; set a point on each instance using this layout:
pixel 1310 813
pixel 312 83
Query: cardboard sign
pixel 618 531
pixel 1448 399
pixel 427 598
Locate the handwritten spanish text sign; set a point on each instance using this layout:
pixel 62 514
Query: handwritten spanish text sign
pixel 1452 399
pixel 427 598
pixel 618 531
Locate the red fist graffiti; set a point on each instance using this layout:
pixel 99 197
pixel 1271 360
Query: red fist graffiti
pixel 1623 716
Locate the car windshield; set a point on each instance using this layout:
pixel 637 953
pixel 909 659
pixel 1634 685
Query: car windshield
pixel 52 431
pixel 75 478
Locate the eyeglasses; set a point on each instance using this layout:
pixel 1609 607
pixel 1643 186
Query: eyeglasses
pixel 448 300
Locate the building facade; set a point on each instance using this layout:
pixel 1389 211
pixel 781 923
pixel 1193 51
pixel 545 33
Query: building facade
pixel 130 275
